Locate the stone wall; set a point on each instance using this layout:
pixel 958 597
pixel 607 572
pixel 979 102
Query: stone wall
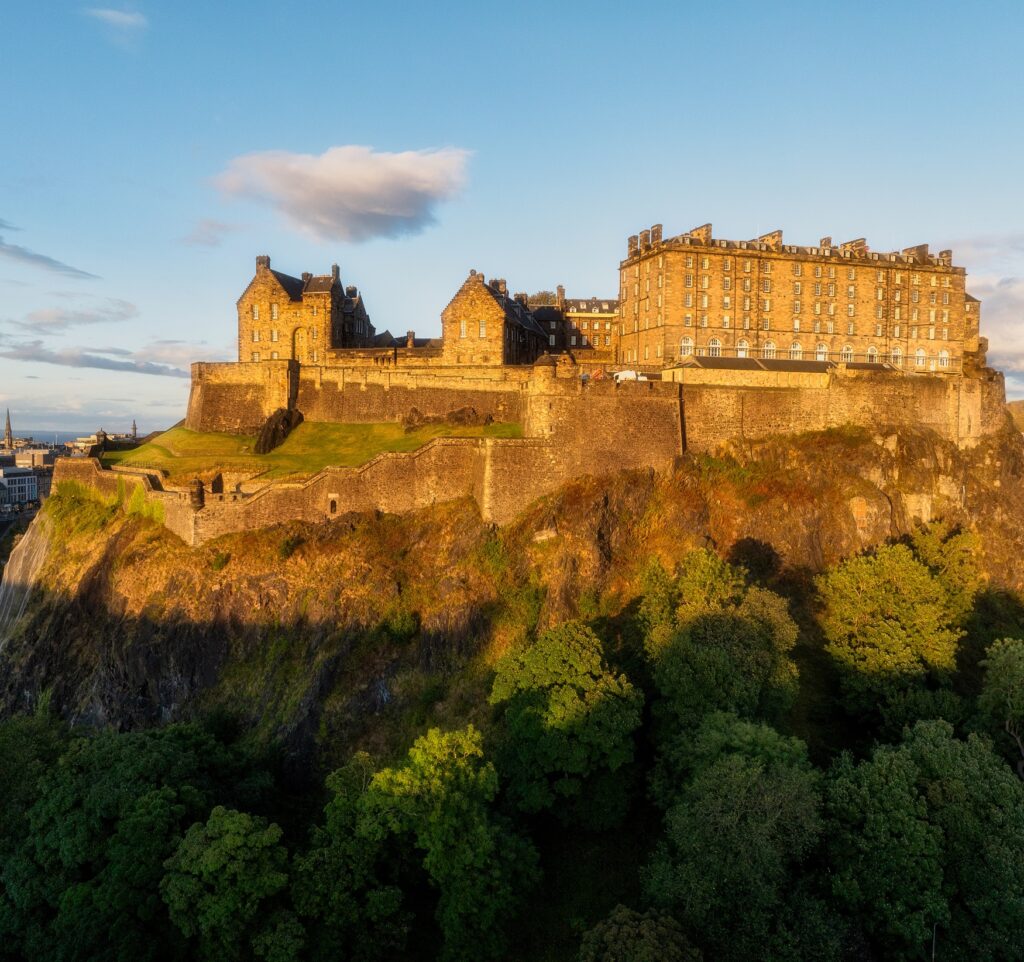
pixel 238 398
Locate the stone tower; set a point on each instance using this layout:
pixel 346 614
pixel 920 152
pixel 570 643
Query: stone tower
pixel 8 436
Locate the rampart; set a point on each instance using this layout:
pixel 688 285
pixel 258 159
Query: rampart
pixel 572 427
pixel 237 398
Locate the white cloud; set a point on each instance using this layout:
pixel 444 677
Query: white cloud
pixel 350 193
pixel 208 233
pixel 165 357
pixel 54 320
pixel 22 255
pixel 126 21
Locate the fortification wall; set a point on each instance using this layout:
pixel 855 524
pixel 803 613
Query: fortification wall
pixel 725 407
pixel 355 396
pixel 237 398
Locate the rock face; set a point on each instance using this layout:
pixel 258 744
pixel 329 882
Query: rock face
pixel 278 426
pixel 326 634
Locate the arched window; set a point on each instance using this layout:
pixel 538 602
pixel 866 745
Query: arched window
pixel 686 347
pixel 943 358
pixel 821 352
pixel 872 354
pixel 919 357
pixel 796 352
pixel 715 347
pixel 847 354
pixel 742 348
pixel 768 350
pixel 897 357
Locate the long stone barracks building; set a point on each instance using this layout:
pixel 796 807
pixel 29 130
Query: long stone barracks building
pixel 741 340
pixel 698 295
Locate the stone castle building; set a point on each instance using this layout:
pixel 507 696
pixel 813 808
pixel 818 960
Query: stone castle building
pixel 695 295
pixel 299 319
pixel 584 325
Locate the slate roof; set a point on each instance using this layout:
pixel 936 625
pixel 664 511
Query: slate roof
pixel 592 305
pixel 516 312
pixel 291 285
pixel 321 284
pixel 785 364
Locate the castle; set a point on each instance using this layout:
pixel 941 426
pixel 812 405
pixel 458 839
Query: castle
pixel 734 341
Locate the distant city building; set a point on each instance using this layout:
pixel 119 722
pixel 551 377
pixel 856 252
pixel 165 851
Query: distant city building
pixel 18 486
pixel 35 457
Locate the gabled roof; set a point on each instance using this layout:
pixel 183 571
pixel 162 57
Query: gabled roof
pixel 319 284
pixel 292 285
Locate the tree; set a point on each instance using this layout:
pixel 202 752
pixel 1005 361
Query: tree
pixel 337 887
pixel 567 717
pixel 84 882
pixel 889 623
pixel 220 880
pixel 442 798
pixel 952 556
pixel 733 847
pixel 720 734
pixel 629 936
pixel 1002 694
pixel 930 832
pixel 733 658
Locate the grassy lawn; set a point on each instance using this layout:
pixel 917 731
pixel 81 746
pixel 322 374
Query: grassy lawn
pixel 311 446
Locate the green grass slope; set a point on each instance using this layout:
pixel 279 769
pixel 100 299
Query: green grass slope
pixel 311 447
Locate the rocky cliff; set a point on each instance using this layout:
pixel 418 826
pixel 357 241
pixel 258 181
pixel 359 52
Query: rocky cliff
pixel 322 637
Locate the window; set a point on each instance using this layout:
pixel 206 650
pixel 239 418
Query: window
pixel 255 337
pixel 849 310
pixel 726 263
pixel 817 307
pixel 726 302
pixel 462 328
pixel 647 352
pixel 766 323
pixel 796 323
pixel 872 355
pixel 817 289
pixel 688 320
pixel 705 263
pixel 846 355
pixel 796 307
pixel 704 300
pixel 551 340
pixel 878 330
pixel 726 283
pixel 943 358
pixel 798 270
pixel 797 287
pixel 316 357
pixel 766 267
pixel 726 320
pixel 851 274
pixel 896 330
pixel 483 328
pixel 255 355
pixel 742 348
pixel 273 312
pixel 746 267
pixel 796 352
pixel 687 300
pixel 766 303
pixel 705 281
pixel 851 292
pixel 273 355
pixel 273 335
pixel 817 270
pixel 897 357
pixel 572 341
pixel 821 352
pixel 686 347
pixel 255 312
pixel 715 347
pixel 688 280
pixel 689 260
pixel 766 285
pixel 768 351
pixel 919 356
pixel 583 340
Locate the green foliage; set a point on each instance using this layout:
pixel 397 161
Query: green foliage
pixel 289 546
pixel 1002 697
pixel 442 797
pixel 338 886
pixel 889 623
pixel 720 734
pixel 930 832
pixel 220 880
pixel 952 556
pixel 83 882
pixel 630 936
pixel 733 847
pixel 567 717
pixel 220 560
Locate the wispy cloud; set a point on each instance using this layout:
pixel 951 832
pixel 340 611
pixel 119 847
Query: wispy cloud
pixel 350 193
pixel 5 225
pixel 55 320
pixel 208 233
pixel 107 359
pixel 23 255
pixel 127 21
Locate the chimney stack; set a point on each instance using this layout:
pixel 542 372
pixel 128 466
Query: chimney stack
pixel 306 276
pixel 335 273
pixel 825 242
pixel 645 240
pixel 410 338
pixel 656 234
pixel 632 245
pixel 560 296
pixel 263 260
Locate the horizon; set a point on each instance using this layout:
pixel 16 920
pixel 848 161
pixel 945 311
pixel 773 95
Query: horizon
pixel 529 148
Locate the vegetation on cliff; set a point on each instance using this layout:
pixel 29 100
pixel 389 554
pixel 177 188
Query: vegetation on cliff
pixel 657 718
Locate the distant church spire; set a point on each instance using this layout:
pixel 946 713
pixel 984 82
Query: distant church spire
pixel 8 436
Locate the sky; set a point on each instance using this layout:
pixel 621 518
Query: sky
pixel 149 151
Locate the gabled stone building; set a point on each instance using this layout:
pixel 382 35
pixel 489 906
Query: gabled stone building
pixel 281 317
pixel 587 326
pixel 483 325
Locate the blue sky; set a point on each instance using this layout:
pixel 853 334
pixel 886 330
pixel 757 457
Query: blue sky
pixel 151 150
